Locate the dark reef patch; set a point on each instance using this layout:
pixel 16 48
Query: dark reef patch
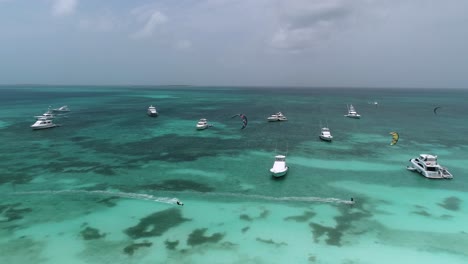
pixel 271 242
pixel 179 185
pixel 245 217
pixel 344 223
pixel 262 215
pixel 306 216
pixel 451 203
pixel 197 237
pixel 422 212
pixel 171 245
pixel 11 212
pixel 178 148
pixel 109 201
pixel 79 139
pixel 90 233
pixel 245 229
pixel 15 178
pixel 156 224
pixel 130 249
pixel 77 166
pixel 446 216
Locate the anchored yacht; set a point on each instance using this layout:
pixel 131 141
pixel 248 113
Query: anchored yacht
pixel 427 165
pixel 152 111
pixel 277 117
pixel 62 109
pixel 352 112
pixel 202 124
pixel 325 134
pixel 279 167
pixel 43 123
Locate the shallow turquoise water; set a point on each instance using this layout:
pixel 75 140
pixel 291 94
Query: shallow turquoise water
pixel 101 187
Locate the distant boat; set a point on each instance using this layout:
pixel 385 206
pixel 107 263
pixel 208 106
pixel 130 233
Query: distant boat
pixel 352 112
pixel 43 123
pixel 277 117
pixel 427 165
pixel 279 168
pixel 62 109
pixel 152 111
pixel 325 134
pixel 202 124
pixel 47 115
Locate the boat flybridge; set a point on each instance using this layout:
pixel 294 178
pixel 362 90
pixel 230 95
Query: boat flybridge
pixel 325 134
pixel 152 111
pixel 277 117
pixel 352 112
pixel 279 167
pixel 43 123
pixel 428 166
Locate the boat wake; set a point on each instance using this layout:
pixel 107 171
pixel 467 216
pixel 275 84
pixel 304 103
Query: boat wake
pixel 280 199
pixel 168 200
pixel 139 196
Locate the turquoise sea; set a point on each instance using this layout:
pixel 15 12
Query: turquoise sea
pixel 101 188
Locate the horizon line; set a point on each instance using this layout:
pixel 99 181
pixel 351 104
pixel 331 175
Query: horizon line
pixel 232 86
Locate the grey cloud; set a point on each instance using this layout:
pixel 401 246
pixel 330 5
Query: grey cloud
pixel 304 23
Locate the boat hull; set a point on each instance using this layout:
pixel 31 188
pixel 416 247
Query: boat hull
pixel 43 127
pixel 328 139
pixel 278 174
pixel 152 114
pixel 353 116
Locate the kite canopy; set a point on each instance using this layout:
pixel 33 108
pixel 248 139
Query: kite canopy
pixel 435 110
pixel 244 120
pixel 395 138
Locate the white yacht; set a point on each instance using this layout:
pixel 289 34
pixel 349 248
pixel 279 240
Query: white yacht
pixel 43 123
pixel 325 134
pixel 62 109
pixel 152 111
pixel 427 165
pixel 47 115
pixel 277 117
pixel 202 124
pixel 352 112
pixel 279 167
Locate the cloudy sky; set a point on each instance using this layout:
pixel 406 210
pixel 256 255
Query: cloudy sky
pixel 359 43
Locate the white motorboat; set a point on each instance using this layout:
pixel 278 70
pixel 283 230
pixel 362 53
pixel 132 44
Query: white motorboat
pixel 43 123
pixel 202 124
pixel 279 167
pixel 277 117
pixel 62 109
pixel 152 111
pixel 47 115
pixel 427 165
pixel 325 134
pixel 352 112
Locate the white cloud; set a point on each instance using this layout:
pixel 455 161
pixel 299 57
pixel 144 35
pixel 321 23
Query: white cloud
pixel 152 20
pixel 64 7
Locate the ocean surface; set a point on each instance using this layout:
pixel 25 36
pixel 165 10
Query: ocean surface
pixel 102 187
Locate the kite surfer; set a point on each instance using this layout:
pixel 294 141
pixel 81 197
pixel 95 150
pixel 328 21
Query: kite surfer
pixel 179 203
